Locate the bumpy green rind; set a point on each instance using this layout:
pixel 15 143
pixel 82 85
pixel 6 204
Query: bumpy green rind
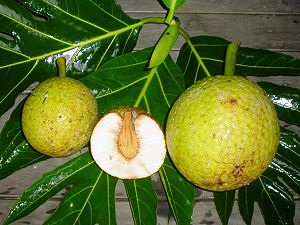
pixel 59 116
pixel 222 132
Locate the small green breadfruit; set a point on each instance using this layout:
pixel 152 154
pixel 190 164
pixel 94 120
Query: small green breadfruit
pixel 59 116
pixel 222 132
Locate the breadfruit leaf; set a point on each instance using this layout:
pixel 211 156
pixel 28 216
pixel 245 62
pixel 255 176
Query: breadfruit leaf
pixel 258 62
pixel 88 200
pixel 33 33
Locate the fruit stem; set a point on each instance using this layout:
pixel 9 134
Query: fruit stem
pixel 61 66
pixel 230 58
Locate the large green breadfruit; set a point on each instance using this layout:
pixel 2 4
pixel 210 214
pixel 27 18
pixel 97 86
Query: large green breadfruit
pixel 222 132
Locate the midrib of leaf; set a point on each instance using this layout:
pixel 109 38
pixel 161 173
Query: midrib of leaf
pixel 14 138
pixel 137 204
pixel 61 181
pixel 8 93
pixel 84 43
pixel 246 200
pixel 169 192
pixel 36 31
pixel 145 87
pixel 271 200
pixel 88 198
pixel 226 198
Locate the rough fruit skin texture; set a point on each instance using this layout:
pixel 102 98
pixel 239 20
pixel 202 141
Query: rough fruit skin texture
pixel 222 132
pixel 59 116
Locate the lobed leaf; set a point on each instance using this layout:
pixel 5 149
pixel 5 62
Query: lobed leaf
pixel 212 50
pixel 180 193
pixel 35 32
pixel 143 200
pixel 89 200
pixel 274 199
pixel 224 204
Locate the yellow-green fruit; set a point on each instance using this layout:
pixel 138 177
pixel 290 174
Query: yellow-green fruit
pixel 222 132
pixel 58 117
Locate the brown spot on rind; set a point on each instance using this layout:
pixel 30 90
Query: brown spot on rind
pixel 219 182
pixel 237 170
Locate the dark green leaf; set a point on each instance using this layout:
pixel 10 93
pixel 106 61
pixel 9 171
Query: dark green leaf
pixel 246 204
pixel 143 201
pixel 89 200
pixel 250 61
pixel 35 32
pixel 287 161
pixel 125 81
pixel 180 193
pixel 224 204
pixel 274 199
pixel 286 101
pixel 15 152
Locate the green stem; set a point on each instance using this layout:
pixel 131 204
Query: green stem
pixel 171 12
pixel 188 40
pixel 61 66
pixel 159 20
pixel 152 72
pixel 230 59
